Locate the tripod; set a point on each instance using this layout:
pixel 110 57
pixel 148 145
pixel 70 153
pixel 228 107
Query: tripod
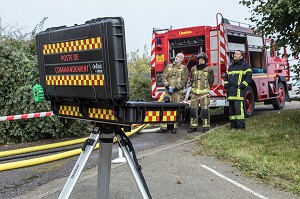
pixel 104 134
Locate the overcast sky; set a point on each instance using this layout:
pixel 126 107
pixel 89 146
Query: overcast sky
pixel 140 16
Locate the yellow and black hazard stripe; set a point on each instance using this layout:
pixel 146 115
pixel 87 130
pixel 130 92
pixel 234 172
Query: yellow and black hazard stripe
pixel 75 80
pixel 103 114
pixel 69 110
pixel 72 46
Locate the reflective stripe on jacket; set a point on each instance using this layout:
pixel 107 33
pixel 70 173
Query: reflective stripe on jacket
pixel 202 80
pixel 237 78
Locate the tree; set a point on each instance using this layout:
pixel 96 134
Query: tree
pixel 279 19
pixel 139 75
pixel 18 73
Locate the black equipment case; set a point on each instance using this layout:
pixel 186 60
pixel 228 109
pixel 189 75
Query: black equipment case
pixel 83 71
pixel 133 112
pixel 85 62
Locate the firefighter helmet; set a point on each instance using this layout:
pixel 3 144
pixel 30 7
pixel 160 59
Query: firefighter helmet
pixel 202 55
pixel 179 58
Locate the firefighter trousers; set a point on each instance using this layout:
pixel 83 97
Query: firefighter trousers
pixel 236 114
pixel 175 97
pixel 204 101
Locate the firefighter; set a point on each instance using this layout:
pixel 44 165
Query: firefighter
pixel 237 78
pixel 174 78
pixel 202 78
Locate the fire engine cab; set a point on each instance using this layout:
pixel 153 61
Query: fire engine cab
pixel 270 72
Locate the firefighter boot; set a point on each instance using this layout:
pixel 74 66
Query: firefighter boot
pixel 175 127
pixel 192 130
pixel 162 131
pixel 194 119
pixel 205 129
pixel 174 131
pixel 233 125
pixel 163 128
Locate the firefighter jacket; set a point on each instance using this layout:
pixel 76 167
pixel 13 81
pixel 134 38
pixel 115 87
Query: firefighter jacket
pixel 237 78
pixel 201 80
pixel 175 76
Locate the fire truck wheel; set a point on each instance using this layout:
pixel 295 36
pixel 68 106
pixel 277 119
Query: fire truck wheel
pixel 280 101
pixel 249 102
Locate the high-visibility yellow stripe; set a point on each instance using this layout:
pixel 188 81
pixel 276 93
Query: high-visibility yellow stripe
pixel 237 72
pixel 248 70
pixel 75 80
pixel 103 114
pixel 69 110
pixel 71 46
pixel 245 83
pixel 234 98
pixel 233 117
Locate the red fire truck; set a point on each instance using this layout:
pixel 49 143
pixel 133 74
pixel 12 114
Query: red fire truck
pixel 270 72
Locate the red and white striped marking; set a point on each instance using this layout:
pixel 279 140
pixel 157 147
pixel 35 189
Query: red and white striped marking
pixel 223 45
pixel 26 116
pixel 155 94
pixel 218 91
pixel 152 62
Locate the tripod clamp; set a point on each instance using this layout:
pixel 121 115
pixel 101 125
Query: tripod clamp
pixel 124 141
pixel 87 142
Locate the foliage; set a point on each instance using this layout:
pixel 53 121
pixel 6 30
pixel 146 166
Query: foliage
pixel 279 19
pixel 139 76
pixel 18 73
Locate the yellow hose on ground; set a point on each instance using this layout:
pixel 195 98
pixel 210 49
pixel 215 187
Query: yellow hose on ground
pixel 41 148
pixel 50 158
pixel 46 146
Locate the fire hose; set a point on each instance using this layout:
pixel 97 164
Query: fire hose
pixel 50 158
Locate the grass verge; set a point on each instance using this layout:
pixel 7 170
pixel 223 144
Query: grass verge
pixel 269 149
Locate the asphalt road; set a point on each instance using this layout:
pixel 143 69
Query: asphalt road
pixel 19 181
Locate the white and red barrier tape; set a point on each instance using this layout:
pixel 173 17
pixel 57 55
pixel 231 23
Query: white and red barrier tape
pixel 26 116
pixel 190 101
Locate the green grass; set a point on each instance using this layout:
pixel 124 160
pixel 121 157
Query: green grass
pixel 269 149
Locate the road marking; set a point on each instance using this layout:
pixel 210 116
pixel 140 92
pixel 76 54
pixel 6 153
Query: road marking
pixel 233 182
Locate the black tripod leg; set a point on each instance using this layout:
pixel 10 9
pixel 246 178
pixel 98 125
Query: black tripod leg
pixel 135 168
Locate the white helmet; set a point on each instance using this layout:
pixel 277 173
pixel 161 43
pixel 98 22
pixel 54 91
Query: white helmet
pixel 179 58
